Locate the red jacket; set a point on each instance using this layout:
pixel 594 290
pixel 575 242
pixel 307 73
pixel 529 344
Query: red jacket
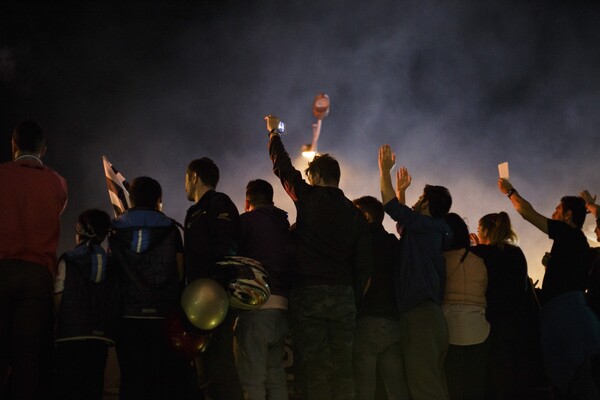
pixel 32 197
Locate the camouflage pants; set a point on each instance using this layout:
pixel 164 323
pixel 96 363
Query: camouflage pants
pixel 323 322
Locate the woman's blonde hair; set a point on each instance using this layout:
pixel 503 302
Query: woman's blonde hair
pixel 499 229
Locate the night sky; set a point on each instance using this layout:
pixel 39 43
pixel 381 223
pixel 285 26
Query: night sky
pixel 454 87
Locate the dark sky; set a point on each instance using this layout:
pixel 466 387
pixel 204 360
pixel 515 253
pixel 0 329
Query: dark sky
pixel 455 87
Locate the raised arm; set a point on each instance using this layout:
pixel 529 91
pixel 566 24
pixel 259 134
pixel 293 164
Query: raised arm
pixel 590 203
pixel 403 180
pixel 522 206
pixel 387 160
pixel 290 177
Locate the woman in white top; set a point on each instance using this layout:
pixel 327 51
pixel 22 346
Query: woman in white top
pixel 464 306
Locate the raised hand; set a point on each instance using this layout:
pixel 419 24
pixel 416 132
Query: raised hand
pixel 387 159
pixel 504 185
pixel 474 239
pixel 272 122
pixel 587 197
pixel 403 179
pixel 590 203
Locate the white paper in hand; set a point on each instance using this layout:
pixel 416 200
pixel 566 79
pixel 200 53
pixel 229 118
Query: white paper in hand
pixel 503 170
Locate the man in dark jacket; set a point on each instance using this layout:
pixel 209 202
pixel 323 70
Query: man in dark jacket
pixel 211 226
pixel 333 263
pixel 377 345
pixel 419 278
pixel 264 236
pixel 147 248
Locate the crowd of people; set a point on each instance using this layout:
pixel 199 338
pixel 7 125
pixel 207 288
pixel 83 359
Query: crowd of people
pixel 434 312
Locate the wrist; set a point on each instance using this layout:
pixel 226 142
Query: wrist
pixel 510 192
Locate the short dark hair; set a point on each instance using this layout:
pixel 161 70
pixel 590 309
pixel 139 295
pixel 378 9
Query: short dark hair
pixel 92 225
pixel 439 200
pixel 144 192
pixel 29 136
pixel 461 238
pixel 259 192
pixel 371 206
pixel 206 169
pixel 576 205
pixel 327 167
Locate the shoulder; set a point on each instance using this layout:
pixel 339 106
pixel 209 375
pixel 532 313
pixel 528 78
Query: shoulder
pixel 219 200
pixel 560 229
pixel 143 218
pixel 474 258
pixel 483 250
pixel 514 249
pixel 78 251
pixel 224 208
pixel 56 175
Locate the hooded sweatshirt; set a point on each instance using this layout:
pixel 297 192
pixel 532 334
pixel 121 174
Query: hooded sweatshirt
pixel 90 303
pixel 265 236
pixel 144 243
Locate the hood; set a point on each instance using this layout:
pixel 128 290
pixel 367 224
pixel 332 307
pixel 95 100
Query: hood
pixel 277 215
pixel 141 229
pixel 92 262
pixel 135 218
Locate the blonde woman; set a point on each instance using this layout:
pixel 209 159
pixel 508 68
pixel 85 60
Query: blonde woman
pixel 513 336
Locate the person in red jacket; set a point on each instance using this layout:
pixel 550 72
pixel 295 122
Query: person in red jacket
pixel 31 199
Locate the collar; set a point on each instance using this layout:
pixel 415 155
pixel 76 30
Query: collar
pixel 29 156
pixel 206 196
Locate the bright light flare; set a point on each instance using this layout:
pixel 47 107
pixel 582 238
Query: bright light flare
pixel 308 152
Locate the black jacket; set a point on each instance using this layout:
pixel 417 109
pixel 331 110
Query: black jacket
pixel 380 299
pixel 333 244
pixel 211 227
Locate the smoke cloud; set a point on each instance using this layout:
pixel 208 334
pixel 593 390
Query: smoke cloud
pixel 454 87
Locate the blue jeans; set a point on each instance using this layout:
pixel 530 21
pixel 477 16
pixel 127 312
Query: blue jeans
pixel 259 353
pixel 377 350
pixel 323 323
